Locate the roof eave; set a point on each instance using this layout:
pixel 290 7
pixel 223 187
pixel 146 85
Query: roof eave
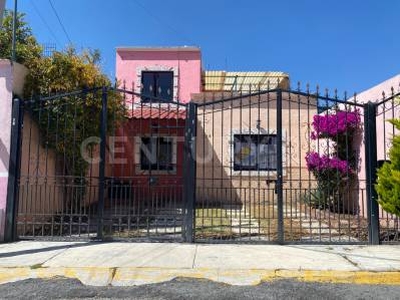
pixel 158 49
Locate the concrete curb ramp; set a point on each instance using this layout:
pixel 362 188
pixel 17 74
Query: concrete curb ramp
pixel 139 276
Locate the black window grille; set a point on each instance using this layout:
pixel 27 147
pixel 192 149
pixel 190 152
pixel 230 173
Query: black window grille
pixel 156 154
pixel 157 84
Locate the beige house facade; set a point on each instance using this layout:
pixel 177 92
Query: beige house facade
pixel 236 146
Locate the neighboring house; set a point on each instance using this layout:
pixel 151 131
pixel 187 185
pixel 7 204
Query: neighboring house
pixel 384 130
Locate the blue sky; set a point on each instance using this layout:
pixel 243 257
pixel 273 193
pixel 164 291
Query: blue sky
pixel 349 45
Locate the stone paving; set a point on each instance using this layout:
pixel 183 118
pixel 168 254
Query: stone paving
pixel 245 225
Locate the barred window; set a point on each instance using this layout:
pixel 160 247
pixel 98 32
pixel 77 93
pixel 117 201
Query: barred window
pixel 255 152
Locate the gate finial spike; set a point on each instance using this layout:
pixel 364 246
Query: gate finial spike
pixel 298 86
pixel 308 88
pixel 392 89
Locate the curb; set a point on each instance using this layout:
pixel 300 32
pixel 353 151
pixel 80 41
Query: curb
pixel 98 276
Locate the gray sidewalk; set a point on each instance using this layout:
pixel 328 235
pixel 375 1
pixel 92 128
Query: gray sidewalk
pixel 142 263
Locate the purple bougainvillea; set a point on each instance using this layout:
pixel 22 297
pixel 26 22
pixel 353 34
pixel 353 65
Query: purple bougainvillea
pixel 333 174
pixel 334 124
pixel 317 164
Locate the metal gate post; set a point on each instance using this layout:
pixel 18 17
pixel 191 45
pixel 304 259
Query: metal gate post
pixel 279 166
pixel 371 168
pixel 103 131
pixel 13 172
pixel 189 188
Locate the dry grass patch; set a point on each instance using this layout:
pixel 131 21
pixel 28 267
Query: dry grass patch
pixel 212 223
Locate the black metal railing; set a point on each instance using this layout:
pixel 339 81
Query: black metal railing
pixel 255 166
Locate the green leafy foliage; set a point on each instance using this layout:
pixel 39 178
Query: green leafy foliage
pixel 27 48
pixel 67 121
pixel 388 183
pixel 316 198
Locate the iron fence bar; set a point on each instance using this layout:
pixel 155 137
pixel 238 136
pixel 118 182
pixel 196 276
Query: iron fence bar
pixel 160 100
pixel 58 96
pixel 326 98
pixel 238 97
pixel 279 166
pixel 103 132
pixel 13 172
pixel 388 99
pixel 190 174
pixel 296 92
pixel 371 167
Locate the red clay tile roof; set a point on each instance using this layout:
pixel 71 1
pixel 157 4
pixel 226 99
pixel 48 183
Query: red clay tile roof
pixel 157 113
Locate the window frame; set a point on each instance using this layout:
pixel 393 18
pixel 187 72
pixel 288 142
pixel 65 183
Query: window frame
pixel 139 150
pixel 155 74
pixel 269 174
pixel 257 139
pixel 156 67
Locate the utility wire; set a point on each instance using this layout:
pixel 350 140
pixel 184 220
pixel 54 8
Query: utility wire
pixel 162 23
pixel 59 21
pixel 44 21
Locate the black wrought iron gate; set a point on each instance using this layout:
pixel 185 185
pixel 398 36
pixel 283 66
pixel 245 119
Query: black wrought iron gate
pixel 100 164
pixel 265 166
pixel 287 166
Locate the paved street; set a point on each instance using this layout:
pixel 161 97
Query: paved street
pixel 195 289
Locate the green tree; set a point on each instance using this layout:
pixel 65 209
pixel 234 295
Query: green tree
pixel 388 183
pixel 66 121
pixel 27 47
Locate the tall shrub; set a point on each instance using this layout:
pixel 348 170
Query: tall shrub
pixel 388 183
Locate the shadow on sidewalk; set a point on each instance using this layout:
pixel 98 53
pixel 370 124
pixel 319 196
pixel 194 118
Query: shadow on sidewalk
pixel 50 248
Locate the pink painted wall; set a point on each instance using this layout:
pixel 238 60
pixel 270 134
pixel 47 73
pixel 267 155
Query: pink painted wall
pixel 184 61
pixel 5 117
pixel 11 80
pixel 384 130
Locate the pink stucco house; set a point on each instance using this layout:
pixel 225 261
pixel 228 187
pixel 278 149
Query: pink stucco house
pixel 384 130
pixel 159 79
pixel 179 67
pixel 167 75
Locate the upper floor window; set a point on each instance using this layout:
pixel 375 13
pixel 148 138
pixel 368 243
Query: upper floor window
pixel 157 84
